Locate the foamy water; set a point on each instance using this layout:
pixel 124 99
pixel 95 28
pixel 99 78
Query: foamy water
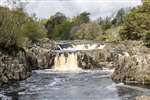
pixel 84 47
pixel 66 63
pixel 61 85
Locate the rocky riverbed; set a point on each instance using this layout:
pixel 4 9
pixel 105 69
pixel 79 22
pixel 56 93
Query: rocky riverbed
pixel 130 59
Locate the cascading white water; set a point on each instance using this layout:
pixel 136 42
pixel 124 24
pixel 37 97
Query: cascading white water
pixel 66 63
pixel 84 47
pixel 70 62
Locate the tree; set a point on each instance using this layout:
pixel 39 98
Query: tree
pixel 119 17
pixel 137 22
pixel 33 30
pixel 88 31
pixel 54 21
pixel 16 26
pixel 10 28
pixel 106 23
pixel 81 18
pixel 58 26
pixel 62 31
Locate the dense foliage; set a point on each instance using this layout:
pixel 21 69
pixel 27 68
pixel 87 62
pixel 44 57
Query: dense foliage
pixel 16 27
pixel 61 27
pixel 58 26
pixel 137 23
pixel 88 31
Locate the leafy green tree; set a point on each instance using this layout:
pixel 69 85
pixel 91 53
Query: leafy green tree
pixel 105 23
pixel 16 27
pixel 137 22
pixel 58 26
pixel 77 21
pixel 88 31
pixel 33 30
pixel 82 18
pixel 62 31
pixel 61 27
pixel 54 21
pixel 10 28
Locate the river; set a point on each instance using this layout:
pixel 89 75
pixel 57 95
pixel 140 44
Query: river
pixel 81 85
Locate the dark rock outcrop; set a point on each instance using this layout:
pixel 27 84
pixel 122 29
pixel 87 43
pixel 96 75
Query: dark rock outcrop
pixel 13 68
pixel 106 57
pixel 17 64
pixel 87 61
pixel 40 58
pixel 133 66
pixel 40 55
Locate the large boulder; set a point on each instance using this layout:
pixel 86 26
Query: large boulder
pixel 39 55
pixel 105 57
pixel 87 61
pixel 133 66
pixel 17 64
pixel 13 67
pixel 40 58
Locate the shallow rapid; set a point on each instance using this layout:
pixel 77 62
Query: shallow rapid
pixel 81 85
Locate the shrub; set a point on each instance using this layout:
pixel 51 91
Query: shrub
pixel 146 38
pixel 16 27
pixel 33 31
pixel 137 24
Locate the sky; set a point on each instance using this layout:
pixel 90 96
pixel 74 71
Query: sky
pixel 97 8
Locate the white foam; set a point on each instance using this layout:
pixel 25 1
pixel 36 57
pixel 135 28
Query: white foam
pixel 63 63
pixel 84 47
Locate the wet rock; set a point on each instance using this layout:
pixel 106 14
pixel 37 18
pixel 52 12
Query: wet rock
pixel 32 60
pixel 39 54
pixel 106 57
pixel 87 61
pixel 4 79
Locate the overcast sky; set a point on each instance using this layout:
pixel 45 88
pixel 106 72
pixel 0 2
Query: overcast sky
pixel 45 8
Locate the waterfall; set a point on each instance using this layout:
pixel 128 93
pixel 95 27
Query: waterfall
pixel 84 47
pixel 69 62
